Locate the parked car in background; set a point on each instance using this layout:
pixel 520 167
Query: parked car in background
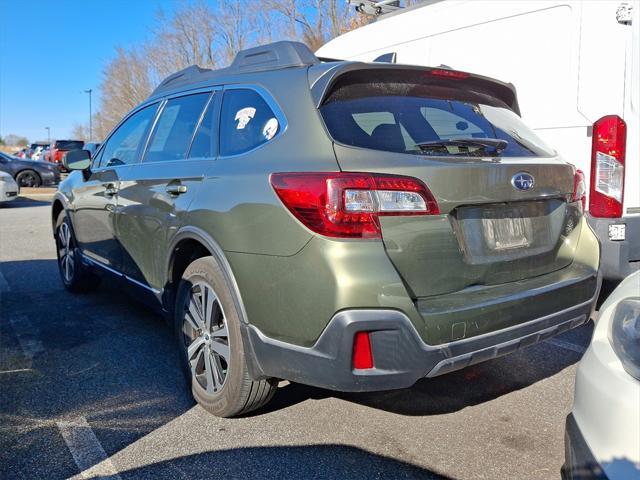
pixel 9 189
pixel 29 173
pixel 353 226
pixel 39 148
pixel 23 153
pixel 602 439
pixel 554 53
pixel 60 147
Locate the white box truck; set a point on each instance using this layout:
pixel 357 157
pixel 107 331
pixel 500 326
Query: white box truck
pixel 575 67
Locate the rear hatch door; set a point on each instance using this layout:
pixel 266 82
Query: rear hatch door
pixel 504 196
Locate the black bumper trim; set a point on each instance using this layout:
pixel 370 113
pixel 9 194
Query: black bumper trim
pixel 579 462
pixel 400 356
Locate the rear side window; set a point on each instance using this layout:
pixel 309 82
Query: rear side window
pixel 174 129
pixel 246 122
pixel 412 116
pixel 122 146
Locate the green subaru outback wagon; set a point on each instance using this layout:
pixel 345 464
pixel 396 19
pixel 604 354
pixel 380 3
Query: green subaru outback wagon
pixel 353 226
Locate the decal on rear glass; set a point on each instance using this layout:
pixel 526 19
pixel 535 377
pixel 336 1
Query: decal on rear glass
pixel 244 116
pixel 270 129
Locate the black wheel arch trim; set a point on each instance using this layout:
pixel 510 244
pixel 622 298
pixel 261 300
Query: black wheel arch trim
pixel 66 207
pixel 199 235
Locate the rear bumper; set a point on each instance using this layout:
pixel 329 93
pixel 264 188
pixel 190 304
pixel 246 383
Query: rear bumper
pixel 618 258
pixel 400 356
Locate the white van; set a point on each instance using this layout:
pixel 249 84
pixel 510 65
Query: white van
pixel 575 67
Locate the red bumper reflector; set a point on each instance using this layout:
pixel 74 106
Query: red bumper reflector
pixel 362 356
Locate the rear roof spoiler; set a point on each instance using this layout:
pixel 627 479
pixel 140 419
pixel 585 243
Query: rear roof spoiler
pixel 322 78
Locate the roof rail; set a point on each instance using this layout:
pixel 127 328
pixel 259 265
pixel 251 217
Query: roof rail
pixel 266 57
pixel 274 55
pixel 186 75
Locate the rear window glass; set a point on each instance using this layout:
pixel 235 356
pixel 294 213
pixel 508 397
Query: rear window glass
pixel 421 118
pixel 69 145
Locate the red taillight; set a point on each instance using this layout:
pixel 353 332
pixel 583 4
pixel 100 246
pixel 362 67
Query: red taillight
pixel 362 356
pixel 579 189
pixel 606 192
pixel 439 72
pixel 347 205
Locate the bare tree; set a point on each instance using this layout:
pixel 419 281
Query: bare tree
pixel 126 82
pixel 208 34
pixel 80 132
pixel 314 21
pixel 187 38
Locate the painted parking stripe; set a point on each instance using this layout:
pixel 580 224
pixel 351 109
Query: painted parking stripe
pixel 27 336
pixel 567 345
pixel 4 286
pixel 86 450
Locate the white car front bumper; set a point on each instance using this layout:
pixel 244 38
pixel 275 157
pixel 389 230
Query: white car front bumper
pixel 606 411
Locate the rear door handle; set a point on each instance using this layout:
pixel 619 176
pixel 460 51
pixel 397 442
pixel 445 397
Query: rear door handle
pixel 110 190
pixel 176 189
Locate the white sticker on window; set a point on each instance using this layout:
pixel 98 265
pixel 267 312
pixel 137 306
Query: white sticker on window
pixel 244 116
pixel 270 129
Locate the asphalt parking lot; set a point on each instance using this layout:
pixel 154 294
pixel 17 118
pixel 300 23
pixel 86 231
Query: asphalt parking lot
pixel 90 387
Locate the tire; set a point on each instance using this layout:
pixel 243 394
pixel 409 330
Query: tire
pixel 225 389
pixel 28 178
pixel 76 277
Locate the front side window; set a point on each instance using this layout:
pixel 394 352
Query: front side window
pixel 122 146
pixel 246 122
pixel 174 129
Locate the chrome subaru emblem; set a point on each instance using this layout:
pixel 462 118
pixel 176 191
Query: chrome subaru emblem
pixel 522 181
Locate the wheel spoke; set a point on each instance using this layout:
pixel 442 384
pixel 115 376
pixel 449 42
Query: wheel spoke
pixel 217 370
pixel 208 311
pixel 194 347
pixel 221 349
pixel 192 323
pixel 208 370
pixel 70 266
pixel 221 332
pixel 194 363
pixel 195 314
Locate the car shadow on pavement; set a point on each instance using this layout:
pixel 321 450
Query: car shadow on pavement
pixel 306 461
pixel 457 390
pixel 22 202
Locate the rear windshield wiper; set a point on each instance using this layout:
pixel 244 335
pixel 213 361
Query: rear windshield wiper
pixel 496 144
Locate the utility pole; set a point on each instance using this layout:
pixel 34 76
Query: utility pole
pixel 90 114
pixel 48 134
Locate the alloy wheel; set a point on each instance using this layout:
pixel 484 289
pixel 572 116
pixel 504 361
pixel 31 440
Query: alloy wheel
pixel 206 338
pixel 66 253
pixel 28 180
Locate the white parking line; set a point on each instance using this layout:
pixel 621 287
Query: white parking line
pixel 4 286
pixel 27 336
pixel 90 457
pixel 567 345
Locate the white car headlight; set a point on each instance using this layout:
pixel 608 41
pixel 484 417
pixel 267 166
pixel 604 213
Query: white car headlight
pixel 624 335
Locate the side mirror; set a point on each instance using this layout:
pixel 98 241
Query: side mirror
pixel 77 160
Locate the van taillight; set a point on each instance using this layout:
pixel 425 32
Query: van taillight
pixel 606 192
pixel 347 205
